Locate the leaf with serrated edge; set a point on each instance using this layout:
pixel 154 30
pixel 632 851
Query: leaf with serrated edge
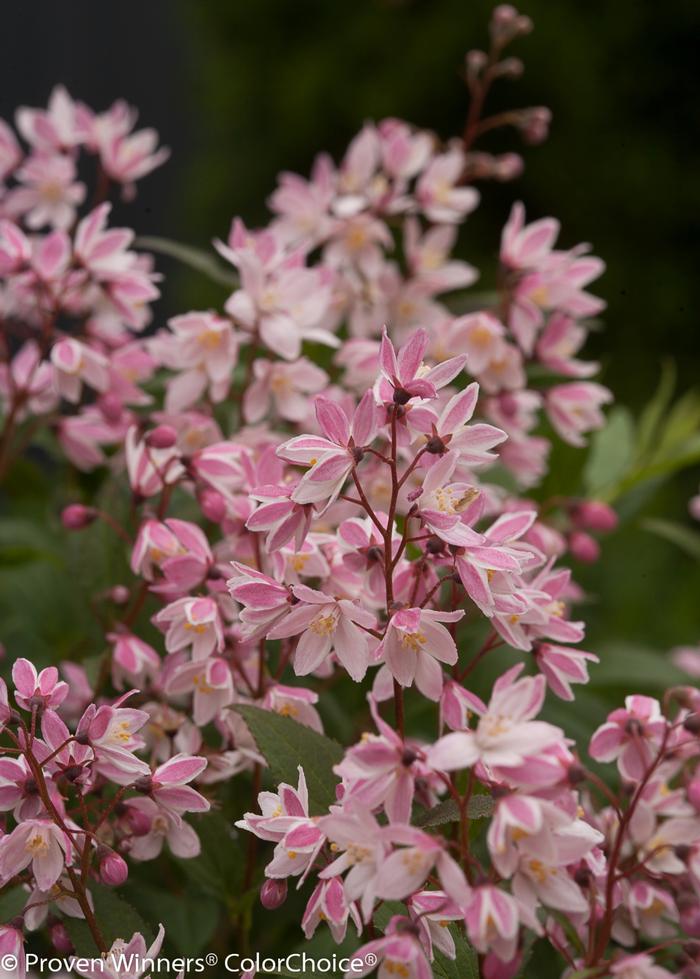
pixel 285 744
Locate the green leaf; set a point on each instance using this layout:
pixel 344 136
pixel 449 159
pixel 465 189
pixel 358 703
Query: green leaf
pixel 285 744
pixel 610 453
pixel 464 966
pixel 218 869
pixel 189 919
pixel 652 415
pixel 619 661
pixel 195 258
pixel 11 903
pixel 115 917
pixel 479 807
pixel 685 538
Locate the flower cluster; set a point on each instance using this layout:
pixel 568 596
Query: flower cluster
pixel 358 515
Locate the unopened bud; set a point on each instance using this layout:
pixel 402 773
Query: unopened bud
pixel 76 516
pixel 161 437
pixel 273 894
pixel 138 821
pixel 508 166
pixel 60 939
pixel 113 868
pixel 693 793
pixel 213 505
pixel 595 515
pixel 534 124
pixel 119 594
pixel 110 408
pixel 583 547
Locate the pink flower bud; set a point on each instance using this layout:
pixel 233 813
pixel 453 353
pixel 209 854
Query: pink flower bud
pixel 111 408
pixel 119 594
pixel 138 821
pixel 694 793
pixel 76 516
pixel 595 515
pixel 213 505
pixel 534 125
pixel 690 917
pixel 508 166
pixel 583 547
pixel 113 868
pixel 273 894
pixel 60 939
pixel 161 437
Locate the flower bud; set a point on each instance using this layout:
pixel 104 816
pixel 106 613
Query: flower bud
pixel 138 821
pixel 60 939
pixel 693 793
pixel 583 547
pixel 273 894
pixel 213 505
pixel 595 515
pixel 110 407
pixel 161 437
pixel 690 916
pixel 508 166
pixel 113 868
pixel 76 516
pixel 534 124
pixel 119 595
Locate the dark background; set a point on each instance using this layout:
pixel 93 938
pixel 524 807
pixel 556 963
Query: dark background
pixel 240 90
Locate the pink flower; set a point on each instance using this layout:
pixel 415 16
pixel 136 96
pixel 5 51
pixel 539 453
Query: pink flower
pixel 150 470
pixel 280 811
pixel 382 770
pixel 111 733
pixel 472 443
pixel 641 966
pixel 40 844
pixel 211 682
pixel 285 386
pixel 40 691
pixel 133 660
pixel 438 193
pixel 505 734
pixel 527 246
pixel 296 702
pixel 280 298
pixel 562 666
pixel 75 363
pixel 335 454
pixel 326 625
pixel 631 736
pixel 54 128
pixel 356 833
pixel 266 601
pixel 124 960
pixel 574 409
pixel 131 157
pixel 162 825
pixel 203 348
pixel 29 374
pixel 12 949
pixel 403 375
pixel 447 508
pixel 492 921
pixel 168 784
pixel 280 516
pixel 415 644
pixel 192 622
pixel 405 870
pixel 50 193
pixel 399 952
pixel 327 903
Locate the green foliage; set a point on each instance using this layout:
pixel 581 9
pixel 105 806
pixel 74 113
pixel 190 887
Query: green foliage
pixel 286 744
pixel 116 918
